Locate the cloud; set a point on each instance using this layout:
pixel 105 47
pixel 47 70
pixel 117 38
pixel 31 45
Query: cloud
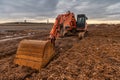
pixel 42 9
pixel 114 9
pixel 27 8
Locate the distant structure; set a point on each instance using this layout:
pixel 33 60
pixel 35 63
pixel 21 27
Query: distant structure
pixel 25 21
pixel 47 21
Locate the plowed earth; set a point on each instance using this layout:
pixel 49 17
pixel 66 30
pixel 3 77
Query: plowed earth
pixel 96 57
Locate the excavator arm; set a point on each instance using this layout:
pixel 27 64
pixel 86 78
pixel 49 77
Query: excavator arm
pixel 55 31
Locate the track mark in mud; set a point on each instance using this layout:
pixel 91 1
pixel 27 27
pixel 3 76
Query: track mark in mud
pixel 9 39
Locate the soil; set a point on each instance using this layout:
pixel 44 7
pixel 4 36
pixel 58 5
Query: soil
pixel 96 57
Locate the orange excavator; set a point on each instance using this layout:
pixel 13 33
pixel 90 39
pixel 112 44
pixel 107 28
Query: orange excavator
pixel 66 24
pixel 37 54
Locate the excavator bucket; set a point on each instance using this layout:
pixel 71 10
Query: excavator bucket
pixel 34 53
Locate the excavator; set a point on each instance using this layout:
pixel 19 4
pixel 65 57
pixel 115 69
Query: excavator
pixel 36 54
pixel 66 24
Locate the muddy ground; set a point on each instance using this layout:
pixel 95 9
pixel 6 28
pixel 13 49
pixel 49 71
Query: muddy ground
pixel 16 30
pixel 96 57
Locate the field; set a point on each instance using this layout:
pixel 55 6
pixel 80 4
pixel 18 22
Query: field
pixel 96 57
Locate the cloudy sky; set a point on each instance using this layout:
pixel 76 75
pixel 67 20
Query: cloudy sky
pixel 39 10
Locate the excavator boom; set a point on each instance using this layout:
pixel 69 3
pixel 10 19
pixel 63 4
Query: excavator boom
pixel 63 22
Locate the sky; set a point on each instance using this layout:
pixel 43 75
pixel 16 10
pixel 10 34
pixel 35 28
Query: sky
pixel 97 11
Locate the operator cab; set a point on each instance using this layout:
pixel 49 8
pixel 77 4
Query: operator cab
pixel 81 20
